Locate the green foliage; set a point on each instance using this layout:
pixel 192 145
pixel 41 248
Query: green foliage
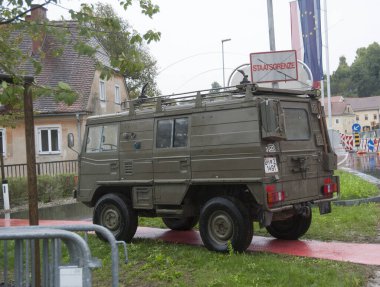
pixel 127 50
pixel 353 187
pixel 362 78
pixel 14 29
pixel 49 188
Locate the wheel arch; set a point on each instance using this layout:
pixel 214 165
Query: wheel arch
pixel 123 191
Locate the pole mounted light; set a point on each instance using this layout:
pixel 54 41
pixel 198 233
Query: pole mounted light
pixel 224 40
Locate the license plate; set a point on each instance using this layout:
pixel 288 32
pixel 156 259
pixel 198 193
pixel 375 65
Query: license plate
pixel 270 165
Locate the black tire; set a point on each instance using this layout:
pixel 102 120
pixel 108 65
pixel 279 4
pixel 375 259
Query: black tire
pixel 291 228
pixel 185 223
pixel 225 220
pixel 116 214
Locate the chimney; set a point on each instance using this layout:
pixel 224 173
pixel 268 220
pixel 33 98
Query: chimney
pixel 38 14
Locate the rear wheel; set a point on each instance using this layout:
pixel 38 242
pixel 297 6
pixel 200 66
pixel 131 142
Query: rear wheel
pixel 185 223
pixel 224 221
pixel 291 228
pixel 116 214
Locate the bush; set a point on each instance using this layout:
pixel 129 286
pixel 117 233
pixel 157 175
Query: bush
pixel 49 188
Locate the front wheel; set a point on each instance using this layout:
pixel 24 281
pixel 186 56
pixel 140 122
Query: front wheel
pixel 223 221
pixel 116 214
pixel 291 228
pixel 185 223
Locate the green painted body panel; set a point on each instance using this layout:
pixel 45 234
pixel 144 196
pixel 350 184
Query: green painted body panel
pixel 225 144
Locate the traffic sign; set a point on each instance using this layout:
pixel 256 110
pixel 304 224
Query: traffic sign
pixel 356 128
pixel 371 145
pixel 275 66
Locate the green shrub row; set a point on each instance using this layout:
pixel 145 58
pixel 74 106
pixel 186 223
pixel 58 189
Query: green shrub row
pixel 49 188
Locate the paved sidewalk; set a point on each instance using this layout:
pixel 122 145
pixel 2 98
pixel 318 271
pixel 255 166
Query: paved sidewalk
pixel 361 253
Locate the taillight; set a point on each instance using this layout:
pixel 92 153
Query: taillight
pixel 275 194
pixel 329 187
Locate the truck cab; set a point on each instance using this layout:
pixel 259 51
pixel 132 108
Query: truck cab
pixel 221 159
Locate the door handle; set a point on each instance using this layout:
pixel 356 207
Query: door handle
pixel 184 163
pixel 114 165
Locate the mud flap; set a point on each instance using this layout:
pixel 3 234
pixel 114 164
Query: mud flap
pixel 265 218
pixel 324 207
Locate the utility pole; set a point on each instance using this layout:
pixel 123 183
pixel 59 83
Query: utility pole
pixel 272 39
pixel 327 69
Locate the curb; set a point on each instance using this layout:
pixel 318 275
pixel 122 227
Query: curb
pixel 353 202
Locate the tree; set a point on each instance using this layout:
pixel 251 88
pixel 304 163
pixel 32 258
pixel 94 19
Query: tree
pixel 341 79
pixel 215 87
pixel 365 71
pixel 14 29
pixel 139 67
pixel 362 78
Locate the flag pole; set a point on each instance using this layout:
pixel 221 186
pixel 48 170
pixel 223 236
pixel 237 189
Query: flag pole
pixel 327 68
pixel 272 38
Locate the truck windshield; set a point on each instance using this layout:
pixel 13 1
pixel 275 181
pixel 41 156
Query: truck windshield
pixel 102 139
pixel 297 124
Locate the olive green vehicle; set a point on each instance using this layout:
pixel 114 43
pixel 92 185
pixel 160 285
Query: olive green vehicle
pixel 223 159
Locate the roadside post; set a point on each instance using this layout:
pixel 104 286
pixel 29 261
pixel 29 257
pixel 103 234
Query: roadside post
pixel 355 130
pixel 4 184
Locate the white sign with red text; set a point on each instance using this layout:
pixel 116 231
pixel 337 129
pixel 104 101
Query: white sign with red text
pixel 278 66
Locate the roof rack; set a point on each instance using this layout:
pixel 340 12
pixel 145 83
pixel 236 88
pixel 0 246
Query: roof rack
pixel 198 98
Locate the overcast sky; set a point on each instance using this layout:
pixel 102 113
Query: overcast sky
pixel 189 55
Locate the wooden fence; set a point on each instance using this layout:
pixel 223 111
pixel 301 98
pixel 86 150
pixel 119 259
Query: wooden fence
pixel 42 168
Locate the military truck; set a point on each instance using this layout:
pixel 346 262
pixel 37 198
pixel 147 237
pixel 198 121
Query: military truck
pixel 221 158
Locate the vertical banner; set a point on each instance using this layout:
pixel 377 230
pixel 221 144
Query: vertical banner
pixel 307 16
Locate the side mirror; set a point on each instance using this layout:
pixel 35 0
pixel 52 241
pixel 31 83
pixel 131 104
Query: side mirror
pixel 70 140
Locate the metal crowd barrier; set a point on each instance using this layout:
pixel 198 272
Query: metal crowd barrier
pixel 53 273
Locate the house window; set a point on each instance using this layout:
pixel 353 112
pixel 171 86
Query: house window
pixel 172 133
pixel 117 94
pixel 337 121
pixel 102 90
pixel 3 141
pixel 366 117
pixel 49 141
pixel 375 117
pixel 357 118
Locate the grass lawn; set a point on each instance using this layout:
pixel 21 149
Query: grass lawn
pixel 155 263
pixel 354 187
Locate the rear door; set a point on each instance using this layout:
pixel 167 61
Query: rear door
pixel 302 151
pixel 99 159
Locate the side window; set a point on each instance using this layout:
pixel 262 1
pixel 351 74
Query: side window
pixel 297 124
pixel 172 133
pixel 102 139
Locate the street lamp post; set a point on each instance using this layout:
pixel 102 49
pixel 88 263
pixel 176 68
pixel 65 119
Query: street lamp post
pixel 225 40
